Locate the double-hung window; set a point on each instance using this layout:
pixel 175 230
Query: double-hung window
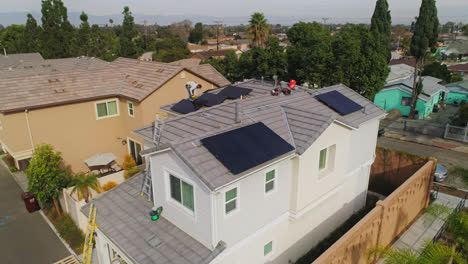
pixel 406 101
pixel 131 111
pixel 270 177
pixel 182 192
pixel 267 248
pixel 107 109
pixel 326 162
pixel 323 159
pixel 230 202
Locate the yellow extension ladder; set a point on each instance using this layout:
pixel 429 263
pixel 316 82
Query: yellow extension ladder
pixel 88 243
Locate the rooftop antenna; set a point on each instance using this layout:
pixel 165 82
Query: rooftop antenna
pixel 4 52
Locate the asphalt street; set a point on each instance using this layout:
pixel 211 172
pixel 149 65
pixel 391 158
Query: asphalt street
pixel 446 157
pixel 24 237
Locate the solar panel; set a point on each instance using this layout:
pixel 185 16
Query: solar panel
pixel 234 92
pixel 246 147
pixel 184 107
pixel 209 99
pixel 338 102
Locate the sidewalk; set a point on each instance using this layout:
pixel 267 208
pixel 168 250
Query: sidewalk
pixel 426 140
pixel 424 228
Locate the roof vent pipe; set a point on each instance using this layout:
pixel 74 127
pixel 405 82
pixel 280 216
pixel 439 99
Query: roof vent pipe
pixel 237 114
pixel 4 52
pixel 262 80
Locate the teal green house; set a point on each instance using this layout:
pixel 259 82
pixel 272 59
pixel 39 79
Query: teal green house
pixel 458 92
pixel 397 95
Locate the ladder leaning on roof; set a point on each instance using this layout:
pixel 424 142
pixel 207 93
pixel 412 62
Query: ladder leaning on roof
pixel 88 243
pixel 157 128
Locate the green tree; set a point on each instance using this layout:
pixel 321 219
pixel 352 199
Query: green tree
pixel 437 253
pixel 128 47
pixel 465 30
pixel 196 34
pixel 84 36
pixel 170 49
pixel 258 29
pixel 12 39
pixel 438 70
pixel 359 63
pixel 57 32
pixel 228 66
pixel 46 178
pixel 83 184
pixel 426 33
pixel 310 54
pixel 31 34
pixel 381 27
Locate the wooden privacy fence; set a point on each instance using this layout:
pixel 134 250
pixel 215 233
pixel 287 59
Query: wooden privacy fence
pixel 381 226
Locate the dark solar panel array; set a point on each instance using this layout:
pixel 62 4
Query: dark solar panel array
pixel 234 92
pixel 338 102
pixel 185 106
pixel 209 99
pixel 246 147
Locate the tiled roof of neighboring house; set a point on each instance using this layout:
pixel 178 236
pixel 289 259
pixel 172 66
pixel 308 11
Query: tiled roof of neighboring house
pixel 458 47
pixel 37 66
pixel 410 62
pixel 210 73
pixel 431 86
pixel 298 118
pixel 462 67
pixel 123 216
pixel 212 53
pixel 187 62
pixel 399 72
pixel 12 60
pixel 123 77
pixel 458 87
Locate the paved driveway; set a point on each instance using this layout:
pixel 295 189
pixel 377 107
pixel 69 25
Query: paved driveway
pixel 24 237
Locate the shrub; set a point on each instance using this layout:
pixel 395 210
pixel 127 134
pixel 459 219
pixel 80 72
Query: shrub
pixel 68 230
pixel 109 185
pixel 130 172
pixel 1 151
pixel 129 166
pixel 461 118
pixel 129 162
pixel 12 168
pixel 461 172
pixel 9 160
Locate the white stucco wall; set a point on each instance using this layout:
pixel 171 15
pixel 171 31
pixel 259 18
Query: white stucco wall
pixel 197 224
pixel 255 208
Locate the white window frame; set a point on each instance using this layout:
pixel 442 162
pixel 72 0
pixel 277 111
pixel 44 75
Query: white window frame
pixel 275 182
pixel 106 102
pixel 173 201
pixel 329 164
pixel 227 214
pixel 133 108
pixel 269 254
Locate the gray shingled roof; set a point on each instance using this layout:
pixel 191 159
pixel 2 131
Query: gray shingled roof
pixel 399 72
pixel 431 86
pixel 123 216
pixel 298 118
pixel 12 60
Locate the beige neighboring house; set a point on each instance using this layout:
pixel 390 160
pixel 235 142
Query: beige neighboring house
pixel 84 112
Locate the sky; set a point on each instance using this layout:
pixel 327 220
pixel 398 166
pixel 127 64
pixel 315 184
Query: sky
pixel 358 10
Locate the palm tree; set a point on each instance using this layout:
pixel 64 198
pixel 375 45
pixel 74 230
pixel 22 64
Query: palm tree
pixel 83 184
pixel 258 29
pixel 437 253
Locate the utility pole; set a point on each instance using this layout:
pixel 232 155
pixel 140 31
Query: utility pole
pixel 325 20
pixel 217 33
pixel 146 35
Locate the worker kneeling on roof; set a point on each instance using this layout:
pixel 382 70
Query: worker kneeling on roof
pixel 191 88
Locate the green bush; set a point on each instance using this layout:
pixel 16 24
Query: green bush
pixel 1 151
pixel 460 172
pixel 70 232
pixel 12 168
pixel 9 160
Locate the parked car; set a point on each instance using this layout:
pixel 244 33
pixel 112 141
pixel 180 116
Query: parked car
pixel 440 173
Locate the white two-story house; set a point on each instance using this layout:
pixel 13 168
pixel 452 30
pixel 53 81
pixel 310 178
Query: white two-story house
pixel 260 179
